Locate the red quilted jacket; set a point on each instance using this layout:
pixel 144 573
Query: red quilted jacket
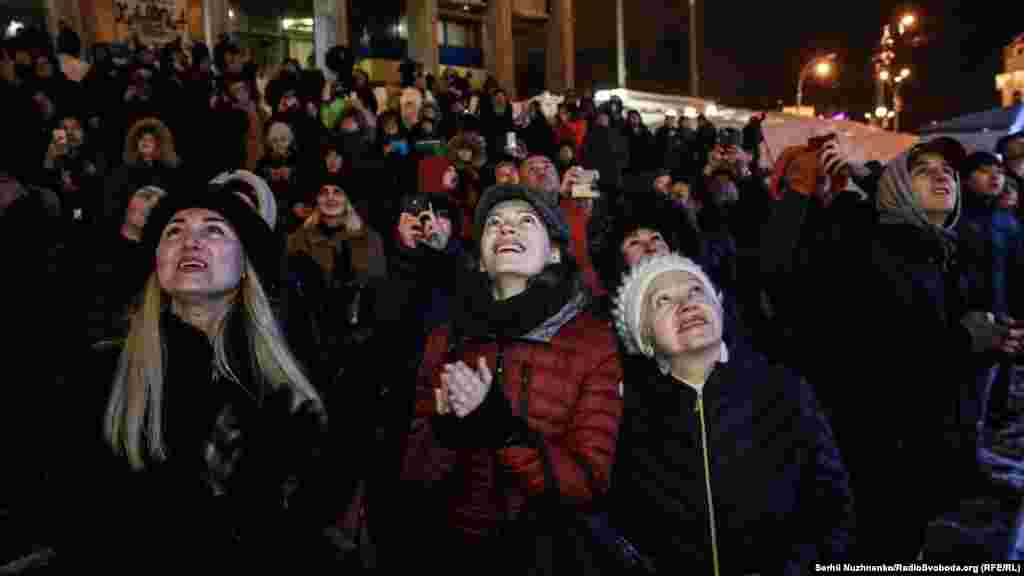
pixel 570 384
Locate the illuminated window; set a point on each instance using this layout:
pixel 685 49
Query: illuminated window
pixel 456 34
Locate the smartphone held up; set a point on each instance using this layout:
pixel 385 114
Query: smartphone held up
pixel 585 184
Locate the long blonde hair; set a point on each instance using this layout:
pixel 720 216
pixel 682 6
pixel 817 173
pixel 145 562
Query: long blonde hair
pixel 135 408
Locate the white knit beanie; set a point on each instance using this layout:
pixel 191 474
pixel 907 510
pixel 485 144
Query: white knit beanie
pixel 265 196
pixel 629 303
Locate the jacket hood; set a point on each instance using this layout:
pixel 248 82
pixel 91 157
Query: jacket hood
pixel 461 142
pixel 168 156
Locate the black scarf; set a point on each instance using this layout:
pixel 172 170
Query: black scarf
pixel 479 315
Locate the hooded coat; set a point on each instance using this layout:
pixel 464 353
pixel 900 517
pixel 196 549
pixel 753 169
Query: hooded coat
pixel 135 173
pixel 904 384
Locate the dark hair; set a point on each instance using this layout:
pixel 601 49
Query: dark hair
pixel 68 42
pixel 240 186
pixel 339 60
pixel 199 53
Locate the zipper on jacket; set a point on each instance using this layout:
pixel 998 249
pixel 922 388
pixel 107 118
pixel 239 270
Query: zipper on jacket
pixel 499 365
pixel 707 481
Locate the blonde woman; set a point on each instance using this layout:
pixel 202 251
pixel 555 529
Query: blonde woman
pixel 217 433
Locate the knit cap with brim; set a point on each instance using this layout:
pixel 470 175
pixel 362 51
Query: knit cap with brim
pixel 557 228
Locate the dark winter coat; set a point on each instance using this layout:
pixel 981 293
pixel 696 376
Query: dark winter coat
pixel 779 492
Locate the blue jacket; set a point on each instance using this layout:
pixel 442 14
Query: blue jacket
pixel 778 490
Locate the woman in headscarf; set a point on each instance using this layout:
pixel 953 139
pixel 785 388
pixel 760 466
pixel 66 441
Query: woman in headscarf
pixel 517 399
pixel 899 293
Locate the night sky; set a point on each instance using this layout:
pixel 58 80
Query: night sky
pixel 752 52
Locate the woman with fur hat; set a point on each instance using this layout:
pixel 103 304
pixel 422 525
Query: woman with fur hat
pixel 750 480
pixel 499 413
pixel 210 424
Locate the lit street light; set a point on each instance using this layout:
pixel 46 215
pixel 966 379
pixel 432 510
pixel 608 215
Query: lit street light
pixel 822 66
pixel 881 111
pixel 907 22
pixel 885 54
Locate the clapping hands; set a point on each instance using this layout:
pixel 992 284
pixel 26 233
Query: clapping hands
pixel 463 389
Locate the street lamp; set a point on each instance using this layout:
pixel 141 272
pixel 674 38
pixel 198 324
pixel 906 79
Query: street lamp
pixel 885 54
pixel 907 22
pixel 822 66
pixel 897 100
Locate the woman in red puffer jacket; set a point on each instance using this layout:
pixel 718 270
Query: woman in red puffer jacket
pixel 522 373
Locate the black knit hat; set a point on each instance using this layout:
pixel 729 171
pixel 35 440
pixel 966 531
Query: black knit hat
pixel 635 211
pixel 558 230
pixel 257 238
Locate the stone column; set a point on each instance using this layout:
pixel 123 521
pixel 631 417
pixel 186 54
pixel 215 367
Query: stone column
pixel 500 53
pixel 215 17
pixel 422 23
pixel 324 30
pixel 560 72
pixel 341 24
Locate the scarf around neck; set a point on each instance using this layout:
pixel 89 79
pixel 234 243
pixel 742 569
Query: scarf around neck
pixel 479 315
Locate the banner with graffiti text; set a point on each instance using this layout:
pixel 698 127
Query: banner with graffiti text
pixel 152 22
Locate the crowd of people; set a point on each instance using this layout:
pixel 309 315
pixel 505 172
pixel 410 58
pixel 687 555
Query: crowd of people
pixel 266 320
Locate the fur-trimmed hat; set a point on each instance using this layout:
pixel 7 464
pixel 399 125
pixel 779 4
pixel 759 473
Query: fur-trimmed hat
pixel 629 303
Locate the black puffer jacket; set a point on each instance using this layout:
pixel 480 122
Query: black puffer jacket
pixel 779 493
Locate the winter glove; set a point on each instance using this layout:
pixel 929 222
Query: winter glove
pixel 986 335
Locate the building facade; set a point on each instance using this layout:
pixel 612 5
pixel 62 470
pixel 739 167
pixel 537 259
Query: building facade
pixel 526 45
pixel 1011 83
